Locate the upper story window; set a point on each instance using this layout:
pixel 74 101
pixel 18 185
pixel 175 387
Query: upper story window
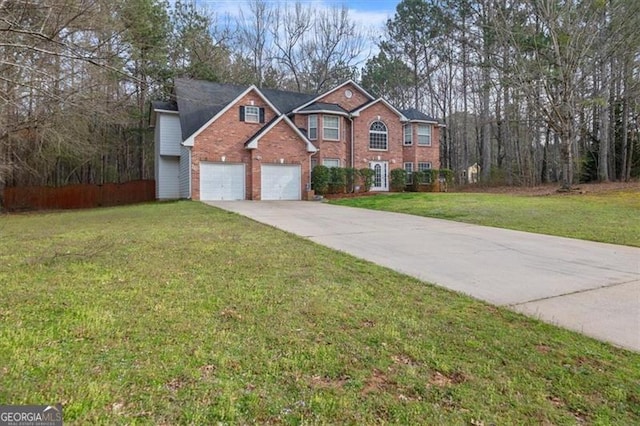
pixel 252 114
pixel 408 135
pixel 424 135
pixel 330 128
pixel 313 127
pixel 378 136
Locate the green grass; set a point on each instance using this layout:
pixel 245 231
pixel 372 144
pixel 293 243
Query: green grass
pixel 178 313
pixel 612 217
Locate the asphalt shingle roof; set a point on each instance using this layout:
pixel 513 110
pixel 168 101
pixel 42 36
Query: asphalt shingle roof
pixel 321 106
pixel 414 114
pixel 163 105
pixel 198 101
pixel 286 101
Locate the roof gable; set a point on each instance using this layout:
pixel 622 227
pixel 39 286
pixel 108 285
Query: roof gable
pixel 252 143
pixel 217 108
pixel 325 94
pixel 361 108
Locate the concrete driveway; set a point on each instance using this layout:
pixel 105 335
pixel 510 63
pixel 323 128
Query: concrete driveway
pixel 589 287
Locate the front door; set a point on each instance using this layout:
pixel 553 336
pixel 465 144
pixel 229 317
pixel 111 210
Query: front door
pixel 380 175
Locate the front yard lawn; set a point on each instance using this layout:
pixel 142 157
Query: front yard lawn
pixel 179 313
pixel 612 217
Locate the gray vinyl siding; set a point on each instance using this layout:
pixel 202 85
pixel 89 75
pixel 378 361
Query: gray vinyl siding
pixel 167 143
pixel 167 183
pixel 185 172
pixel 170 134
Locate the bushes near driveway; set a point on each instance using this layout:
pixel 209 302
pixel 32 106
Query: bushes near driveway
pixel 398 180
pixel 347 180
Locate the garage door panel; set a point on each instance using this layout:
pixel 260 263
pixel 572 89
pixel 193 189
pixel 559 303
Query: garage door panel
pixel 220 181
pixel 280 182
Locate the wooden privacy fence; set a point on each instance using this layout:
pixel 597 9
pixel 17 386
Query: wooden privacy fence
pixel 78 196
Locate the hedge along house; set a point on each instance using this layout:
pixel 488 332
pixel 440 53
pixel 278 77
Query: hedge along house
pixel 227 142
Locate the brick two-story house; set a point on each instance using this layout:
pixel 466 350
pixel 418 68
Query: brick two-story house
pixel 226 142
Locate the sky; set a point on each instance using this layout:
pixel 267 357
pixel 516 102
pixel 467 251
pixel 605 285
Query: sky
pixel 370 13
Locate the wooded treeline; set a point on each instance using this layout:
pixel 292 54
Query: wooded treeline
pixel 532 90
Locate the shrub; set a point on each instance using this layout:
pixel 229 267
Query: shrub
pixel 418 179
pixel 429 177
pixel 447 175
pixel 367 178
pixel 351 176
pixel 398 179
pixel 320 176
pixel 337 180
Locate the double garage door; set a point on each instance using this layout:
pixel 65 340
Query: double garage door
pixel 224 181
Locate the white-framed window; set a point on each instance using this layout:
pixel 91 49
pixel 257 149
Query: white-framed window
pixel 422 167
pixel 424 135
pixel 252 114
pixel 408 167
pixel 378 136
pixel 314 162
pixel 331 162
pixel 312 127
pixel 408 135
pixel 330 128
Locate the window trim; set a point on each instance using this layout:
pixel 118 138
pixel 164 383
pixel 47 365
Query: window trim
pixel 337 160
pixel 247 114
pixel 409 141
pixel 428 127
pixel 324 127
pixel 408 172
pixel 309 127
pixel 378 132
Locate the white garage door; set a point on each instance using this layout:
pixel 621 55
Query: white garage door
pixel 221 181
pixel 280 182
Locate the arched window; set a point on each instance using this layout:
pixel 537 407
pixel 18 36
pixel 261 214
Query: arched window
pixel 378 135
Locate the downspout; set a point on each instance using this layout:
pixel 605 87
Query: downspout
pixel 190 188
pixel 310 171
pixel 350 117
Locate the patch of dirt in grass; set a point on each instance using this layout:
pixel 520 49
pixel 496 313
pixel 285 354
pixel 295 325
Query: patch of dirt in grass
pixel 556 402
pixel 176 384
pixel 230 313
pixel 206 371
pixel 117 407
pixel 441 380
pixel 582 361
pixel 580 417
pixel 552 188
pixel 368 323
pixel 543 349
pixel 403 359
pixel 378 382
pixel 320 382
